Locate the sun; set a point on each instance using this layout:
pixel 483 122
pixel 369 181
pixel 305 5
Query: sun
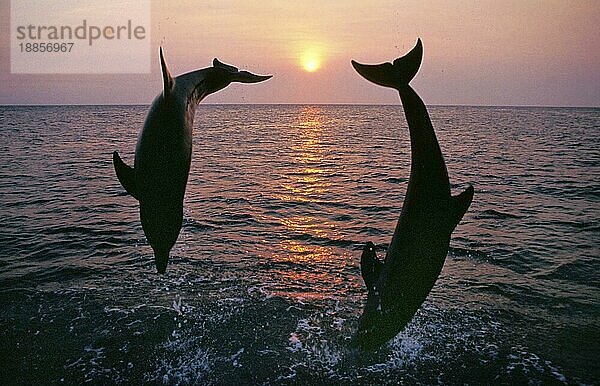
pixel 310 55
pixel 310 63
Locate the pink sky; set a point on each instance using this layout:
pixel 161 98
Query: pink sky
pixel 476 52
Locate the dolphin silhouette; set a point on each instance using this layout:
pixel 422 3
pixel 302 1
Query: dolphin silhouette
pixel 398 286
pixel 164 148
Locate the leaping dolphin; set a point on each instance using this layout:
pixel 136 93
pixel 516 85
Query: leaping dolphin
pixel 164 149
pixel 398 286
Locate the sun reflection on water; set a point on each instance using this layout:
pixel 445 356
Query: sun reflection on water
pixel 307 182
pixel 303 281
pixel 312 225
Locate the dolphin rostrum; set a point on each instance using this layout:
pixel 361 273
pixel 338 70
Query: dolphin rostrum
pixel 164 149
pixel 398 286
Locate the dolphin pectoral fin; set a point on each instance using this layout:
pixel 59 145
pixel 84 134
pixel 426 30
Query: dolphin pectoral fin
pixel 126 175
pixel 167 78
pixel 370 266
pixel 394 75
pixel 459 205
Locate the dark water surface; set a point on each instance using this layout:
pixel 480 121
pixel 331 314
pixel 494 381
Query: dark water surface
pixel 264 285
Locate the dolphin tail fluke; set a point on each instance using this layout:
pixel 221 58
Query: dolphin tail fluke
pixel 248 77
pixel 126 175
pixel 217 63
pixel 395 75
pixel 161 259
pixel 167 78
pixel 459 205
pixel 240 76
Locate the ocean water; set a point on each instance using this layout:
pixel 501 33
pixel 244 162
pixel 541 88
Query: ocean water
pixel 263 286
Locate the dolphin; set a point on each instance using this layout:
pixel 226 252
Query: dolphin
pixel 164 149
pixel 399 285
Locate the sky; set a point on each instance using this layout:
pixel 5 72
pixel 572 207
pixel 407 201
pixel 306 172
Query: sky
pixel 532 53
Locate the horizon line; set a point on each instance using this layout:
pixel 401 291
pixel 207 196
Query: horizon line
pixel 294 104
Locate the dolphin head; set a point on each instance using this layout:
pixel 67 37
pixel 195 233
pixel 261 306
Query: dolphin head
pixel 161 259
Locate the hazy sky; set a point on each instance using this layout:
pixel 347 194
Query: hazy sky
pixel 476 52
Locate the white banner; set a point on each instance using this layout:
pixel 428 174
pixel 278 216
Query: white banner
pixel 79 37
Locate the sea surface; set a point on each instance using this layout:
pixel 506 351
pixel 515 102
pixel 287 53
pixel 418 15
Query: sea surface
pixel 264 286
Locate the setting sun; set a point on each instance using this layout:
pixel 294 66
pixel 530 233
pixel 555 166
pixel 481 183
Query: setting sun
pixel 310 63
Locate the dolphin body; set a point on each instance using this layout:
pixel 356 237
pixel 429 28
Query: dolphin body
pixel 398 286
pixel 164 149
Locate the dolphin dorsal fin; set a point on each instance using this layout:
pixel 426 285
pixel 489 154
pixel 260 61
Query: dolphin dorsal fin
pixel 126 175
pixel 167 78
pixel 459 205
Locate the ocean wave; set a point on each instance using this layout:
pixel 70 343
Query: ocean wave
pixel 583 271
pixel 496 214
pixel 395 180
pixel 325 241
pixel 468 253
